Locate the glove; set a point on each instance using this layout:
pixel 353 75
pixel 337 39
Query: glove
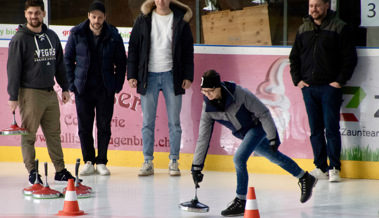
pixel 197 177
pixel 274 145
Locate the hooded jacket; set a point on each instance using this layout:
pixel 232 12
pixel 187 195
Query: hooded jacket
pixel 325 55
pixel 182 46
pixel 34 59
pixel 78 57
pixel 243 111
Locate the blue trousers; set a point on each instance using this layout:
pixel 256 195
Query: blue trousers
pixel 255 141
pixel 323 104
pixel 161 82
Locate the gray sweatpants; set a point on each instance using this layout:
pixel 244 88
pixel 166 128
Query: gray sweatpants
pixel 40 107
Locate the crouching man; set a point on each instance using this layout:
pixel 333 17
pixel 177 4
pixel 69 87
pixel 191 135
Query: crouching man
pixel 249 120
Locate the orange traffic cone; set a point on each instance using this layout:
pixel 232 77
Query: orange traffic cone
pixel 71 206
pixel 251 208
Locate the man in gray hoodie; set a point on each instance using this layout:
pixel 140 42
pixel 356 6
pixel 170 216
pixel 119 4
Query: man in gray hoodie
pixel 35 58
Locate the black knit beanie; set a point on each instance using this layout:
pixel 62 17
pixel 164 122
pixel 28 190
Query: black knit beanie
pixel 97 5
pixel 210 79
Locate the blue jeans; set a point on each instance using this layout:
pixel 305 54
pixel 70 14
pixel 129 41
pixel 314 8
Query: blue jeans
pixel 323 104
pixel 161 82
pixel 255 141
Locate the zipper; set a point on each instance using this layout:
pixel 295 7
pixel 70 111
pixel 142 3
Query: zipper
pixel 314 54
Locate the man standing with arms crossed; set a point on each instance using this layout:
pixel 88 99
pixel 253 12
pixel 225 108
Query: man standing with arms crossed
pixel 161 59
pixel 35 58
pixel 323 58
pixel 96 63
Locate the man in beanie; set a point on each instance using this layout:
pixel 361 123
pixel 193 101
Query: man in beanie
pixel 96 63
pixel 249 120
pixel 161 59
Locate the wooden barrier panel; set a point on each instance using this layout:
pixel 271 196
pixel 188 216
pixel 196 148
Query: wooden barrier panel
pixel 249 26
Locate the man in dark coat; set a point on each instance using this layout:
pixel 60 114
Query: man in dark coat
pixel 96 63
pixel 161 59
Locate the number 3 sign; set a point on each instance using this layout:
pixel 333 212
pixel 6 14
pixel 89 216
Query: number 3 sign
pixel 369 13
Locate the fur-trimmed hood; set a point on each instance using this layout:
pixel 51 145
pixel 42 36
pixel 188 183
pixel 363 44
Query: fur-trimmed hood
pixel 149 5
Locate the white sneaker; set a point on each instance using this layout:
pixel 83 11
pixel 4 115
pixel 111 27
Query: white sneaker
pixel 147 168
pixel 102 170
pixel 173 168
pixel 334 175
pixel 88 169
pixel 319 174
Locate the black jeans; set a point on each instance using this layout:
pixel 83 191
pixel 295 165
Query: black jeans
pixel 101 101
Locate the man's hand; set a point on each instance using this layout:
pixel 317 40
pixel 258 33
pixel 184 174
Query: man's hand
pixel 12 105
pixel 302 84
pixel 132 83
pixel 335 85
pixel 65 97
pixel 186 84
pixel 274 145
pixel 197 177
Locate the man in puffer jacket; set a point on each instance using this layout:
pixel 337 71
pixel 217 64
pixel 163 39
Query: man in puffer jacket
pixel 95 58
pixel 249 120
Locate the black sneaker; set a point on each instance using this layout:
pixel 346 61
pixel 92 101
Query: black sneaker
pixel 64 176
pixel 306 183
pixel 32 177
pixel 236 208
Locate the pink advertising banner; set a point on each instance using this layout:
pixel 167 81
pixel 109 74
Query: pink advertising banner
pixel 262 70
pixel 265 75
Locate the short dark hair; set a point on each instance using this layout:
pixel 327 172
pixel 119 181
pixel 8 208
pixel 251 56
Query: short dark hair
pixel 35 3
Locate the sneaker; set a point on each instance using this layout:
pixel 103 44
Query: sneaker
pixel 173 168
pixel 32 178
pixel 334 175
pixel 317 172
pixel 235 208
pixel 88 169
pixel 102 170
pixel 306 184
pixel 64 176
pixel 147 168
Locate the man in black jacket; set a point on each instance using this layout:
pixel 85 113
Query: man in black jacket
pixel 96 63
pixel 323 58
pixel 161 58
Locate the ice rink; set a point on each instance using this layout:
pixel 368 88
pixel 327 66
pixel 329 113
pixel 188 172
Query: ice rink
pixel 124 194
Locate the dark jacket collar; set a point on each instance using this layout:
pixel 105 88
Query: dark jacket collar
pixel 228 90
